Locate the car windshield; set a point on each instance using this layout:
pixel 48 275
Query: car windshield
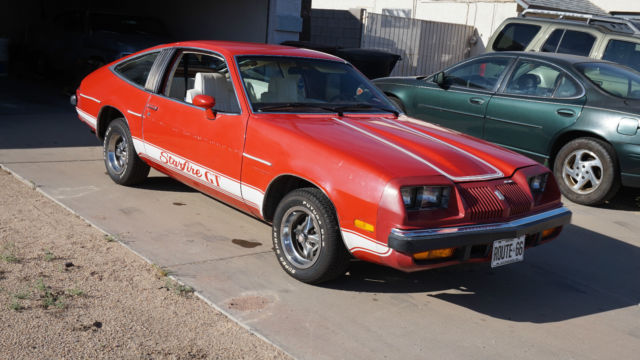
pixel 614 79
pixel 126 24
pixel 293 84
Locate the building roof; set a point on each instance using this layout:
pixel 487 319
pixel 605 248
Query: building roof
pixel 581 6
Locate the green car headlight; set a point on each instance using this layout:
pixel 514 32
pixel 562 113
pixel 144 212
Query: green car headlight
pixel 425 197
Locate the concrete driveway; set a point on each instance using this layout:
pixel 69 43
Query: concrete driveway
pixel 577 297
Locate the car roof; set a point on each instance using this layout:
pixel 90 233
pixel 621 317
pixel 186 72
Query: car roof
pixel 235 48
pixel 603 29
pixel 552 57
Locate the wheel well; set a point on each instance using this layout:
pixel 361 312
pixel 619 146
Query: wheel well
pixel 278 189
pixel 565 138
pixel 106 115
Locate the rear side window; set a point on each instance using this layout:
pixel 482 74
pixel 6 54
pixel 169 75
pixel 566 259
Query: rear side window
pixel 623 52
pixel 137 70
pixel 569 42
pixel 531 78
pixel 515 37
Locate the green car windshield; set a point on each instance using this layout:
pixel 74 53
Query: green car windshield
pixel 613 79
pixel 296 84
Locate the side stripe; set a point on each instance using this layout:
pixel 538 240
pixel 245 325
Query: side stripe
pixel 91 120
pixel 357 242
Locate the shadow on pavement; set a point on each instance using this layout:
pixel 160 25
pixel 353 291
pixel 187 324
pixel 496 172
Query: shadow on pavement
pixel 581 273
pixel 164 183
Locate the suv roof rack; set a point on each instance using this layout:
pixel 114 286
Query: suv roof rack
pixel 589 18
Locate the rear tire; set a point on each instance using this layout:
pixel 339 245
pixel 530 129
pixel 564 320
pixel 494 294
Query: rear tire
pixel 123 164
pixel 306 237
pixel 586 170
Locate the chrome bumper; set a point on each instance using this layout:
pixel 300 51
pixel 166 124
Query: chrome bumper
pixel 413 241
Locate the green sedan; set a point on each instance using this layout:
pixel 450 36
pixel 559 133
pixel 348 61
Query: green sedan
pixel 578 115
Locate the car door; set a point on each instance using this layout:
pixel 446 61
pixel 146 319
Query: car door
pixel 537 100
pixel 461 101
pixel 204 151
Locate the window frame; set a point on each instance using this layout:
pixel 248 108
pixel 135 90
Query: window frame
pixel 503 86
pixel 564 33
pixel 150 77
pixel 172 63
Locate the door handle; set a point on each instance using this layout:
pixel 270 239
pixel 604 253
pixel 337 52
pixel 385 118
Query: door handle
pixel 476 101
pixel 152 107
pixel 566 112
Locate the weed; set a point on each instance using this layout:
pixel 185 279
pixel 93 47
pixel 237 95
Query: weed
pixel 75 292
pixel 109 238
pixel 16 306
pixel 179 289
pixel 40 286
pixel 21 295
pixel 48 255
pixel 8 253
pixel 161 271
pixel 48 298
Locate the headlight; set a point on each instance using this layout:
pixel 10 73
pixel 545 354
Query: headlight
pixel 538 183
pixel 425 197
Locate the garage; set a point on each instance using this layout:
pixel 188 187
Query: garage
pixel 42 32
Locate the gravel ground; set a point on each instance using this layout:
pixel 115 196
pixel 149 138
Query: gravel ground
pixel 68 291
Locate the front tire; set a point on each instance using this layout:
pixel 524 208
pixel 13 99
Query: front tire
pixel 123 164
pixel 587 171
pixel 306 237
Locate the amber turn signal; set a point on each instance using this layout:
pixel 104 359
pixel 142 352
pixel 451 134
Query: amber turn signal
pixel 551 232
pixel 363 225
pixel 434 254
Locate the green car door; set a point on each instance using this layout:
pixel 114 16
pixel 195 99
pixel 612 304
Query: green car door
pixel 459 101
pixel 536 101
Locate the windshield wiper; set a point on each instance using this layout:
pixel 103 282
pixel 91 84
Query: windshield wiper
pixel 342 109
pixel 294 105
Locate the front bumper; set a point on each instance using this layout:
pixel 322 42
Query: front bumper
pixel 414 241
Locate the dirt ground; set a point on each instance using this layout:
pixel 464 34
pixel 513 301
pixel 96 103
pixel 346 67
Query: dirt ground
pixel 68 291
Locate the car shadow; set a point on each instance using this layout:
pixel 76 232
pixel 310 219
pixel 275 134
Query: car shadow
pixel 627 199
pixel 581 273
pixel 164 183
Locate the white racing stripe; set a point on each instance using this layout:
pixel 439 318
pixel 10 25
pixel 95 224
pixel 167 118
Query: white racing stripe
pixel 90 98
pixel 419 158
pixel 86 117
pixel 246 193
pixel 497 173
pixel 357 242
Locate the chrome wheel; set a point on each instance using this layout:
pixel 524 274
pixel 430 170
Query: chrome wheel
pixel 301 237
pixel 117 153
pixel 582 171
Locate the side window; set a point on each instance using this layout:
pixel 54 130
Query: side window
pixel 199 74
pixel 137 70
pixel 623 52
pixel 479 74
pixel 569 42
pixel 515 37
pixel 536 79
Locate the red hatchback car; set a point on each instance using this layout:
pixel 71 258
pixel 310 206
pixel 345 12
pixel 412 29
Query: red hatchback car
pixel 302 140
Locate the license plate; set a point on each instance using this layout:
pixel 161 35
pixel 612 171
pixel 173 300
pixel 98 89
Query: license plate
pixel 507 251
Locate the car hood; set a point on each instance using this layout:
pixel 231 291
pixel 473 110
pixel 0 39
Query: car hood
pixel 406 147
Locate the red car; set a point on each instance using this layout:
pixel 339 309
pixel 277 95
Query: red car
pixel 304 141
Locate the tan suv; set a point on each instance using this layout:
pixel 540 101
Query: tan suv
pixel 599 37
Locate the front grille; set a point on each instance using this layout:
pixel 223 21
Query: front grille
pixel 518 201
pixel 483 204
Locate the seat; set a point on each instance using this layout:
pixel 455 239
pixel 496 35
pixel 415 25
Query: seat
pixel 217 86
pixel 282 90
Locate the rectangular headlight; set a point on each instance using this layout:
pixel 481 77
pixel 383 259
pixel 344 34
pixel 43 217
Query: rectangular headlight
pixel 425 197
pixel 538 183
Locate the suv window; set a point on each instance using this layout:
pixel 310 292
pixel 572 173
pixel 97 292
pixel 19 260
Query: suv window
pixel 137 70
pixel 569 42
pixel 479 74
pixel 515 37
pixel 199 74
pixel 535 79
pixel 623 52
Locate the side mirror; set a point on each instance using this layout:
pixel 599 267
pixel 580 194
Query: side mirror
pixel 439 79
pixel 207 102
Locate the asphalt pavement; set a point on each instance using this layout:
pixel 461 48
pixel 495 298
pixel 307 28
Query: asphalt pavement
pixel 577 297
